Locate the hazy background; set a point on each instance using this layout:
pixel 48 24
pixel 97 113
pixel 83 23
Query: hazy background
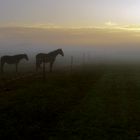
pixel 94 30
pixel 97 44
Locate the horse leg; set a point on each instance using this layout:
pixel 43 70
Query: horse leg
pixel 2 67
pixel 36 67
pixel 16 67
pixel 51 65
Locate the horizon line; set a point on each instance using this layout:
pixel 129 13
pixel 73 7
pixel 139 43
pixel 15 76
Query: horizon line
pixel 107 26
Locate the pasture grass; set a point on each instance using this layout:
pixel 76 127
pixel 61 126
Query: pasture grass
pixel 100 103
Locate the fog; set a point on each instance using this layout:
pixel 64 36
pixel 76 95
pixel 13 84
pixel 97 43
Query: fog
pixel 85 45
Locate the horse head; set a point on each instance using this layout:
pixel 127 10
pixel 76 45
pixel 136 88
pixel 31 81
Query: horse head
pixel 60 51
pixel 25 57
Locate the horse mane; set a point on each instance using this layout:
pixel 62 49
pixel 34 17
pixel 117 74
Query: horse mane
pixel 21 54
pixel 54 51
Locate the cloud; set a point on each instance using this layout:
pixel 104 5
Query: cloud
pixel 36 25
pixel 109 23
pixel 108 26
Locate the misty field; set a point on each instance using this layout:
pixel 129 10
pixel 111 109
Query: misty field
pixel 99 103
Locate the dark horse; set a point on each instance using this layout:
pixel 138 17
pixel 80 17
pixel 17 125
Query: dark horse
pixel 47 58
pixel 15 59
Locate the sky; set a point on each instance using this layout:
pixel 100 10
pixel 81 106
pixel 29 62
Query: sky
pixel 38 25
pixel 69 13
pixel 32 26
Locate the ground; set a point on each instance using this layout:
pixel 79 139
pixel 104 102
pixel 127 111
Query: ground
pixel 98 103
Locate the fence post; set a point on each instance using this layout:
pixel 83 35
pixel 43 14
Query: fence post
pixel 83 60
pixel 71 63
pixel 44 71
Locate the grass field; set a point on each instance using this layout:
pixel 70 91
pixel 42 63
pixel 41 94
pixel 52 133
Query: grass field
pixel 91 104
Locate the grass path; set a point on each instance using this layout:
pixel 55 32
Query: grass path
pixel 111 111
pixel 31 107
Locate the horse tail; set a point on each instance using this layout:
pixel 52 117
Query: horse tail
pixel 2 63
pixel 37 65
pixel 37 62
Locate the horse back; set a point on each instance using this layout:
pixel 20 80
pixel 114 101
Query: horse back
pixel 8 59
pixel 40 55
pixel 3 58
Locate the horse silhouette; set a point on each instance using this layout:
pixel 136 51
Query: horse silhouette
pixel 15 59
pixel 47 58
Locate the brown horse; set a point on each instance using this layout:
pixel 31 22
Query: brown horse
pixel 15 59
pixel 47 58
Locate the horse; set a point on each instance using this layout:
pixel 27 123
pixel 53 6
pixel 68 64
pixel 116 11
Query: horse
pixel 15 59
pixel 47 58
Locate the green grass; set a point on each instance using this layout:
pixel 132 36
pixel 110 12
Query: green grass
pixel 99 104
